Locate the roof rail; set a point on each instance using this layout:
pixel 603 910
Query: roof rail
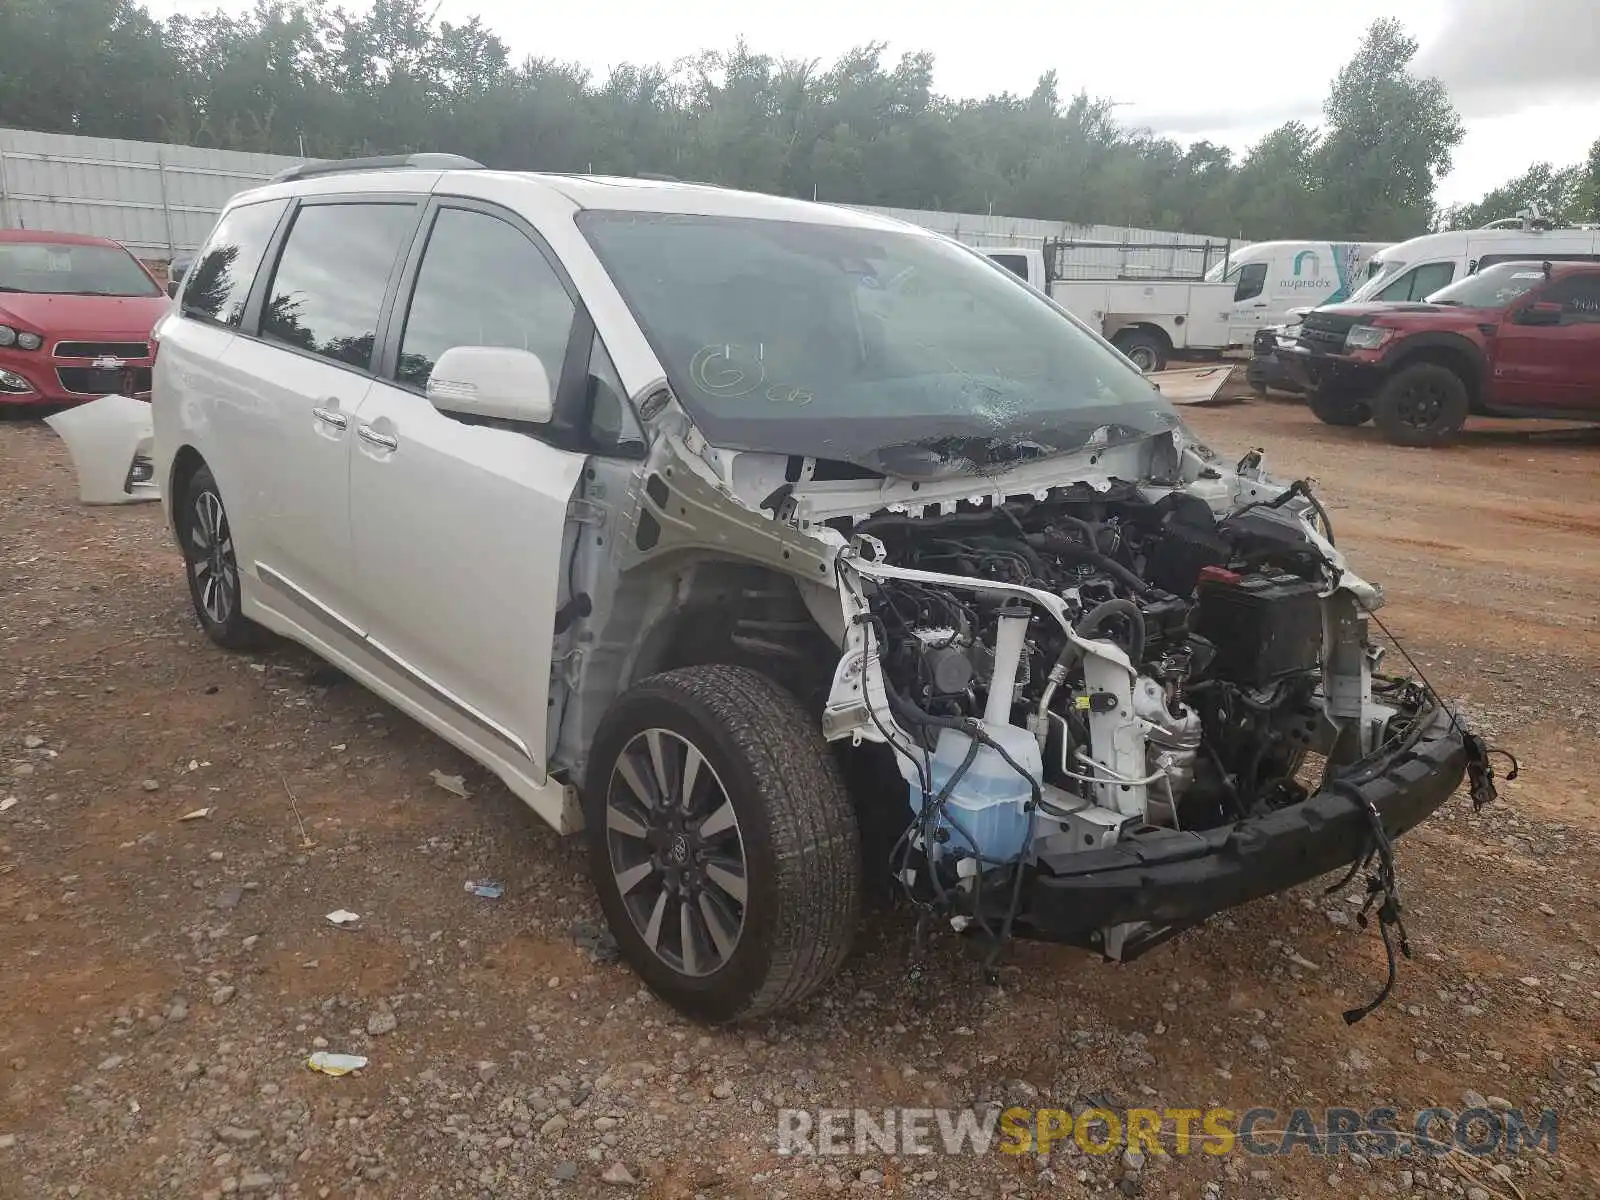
pixel 386 162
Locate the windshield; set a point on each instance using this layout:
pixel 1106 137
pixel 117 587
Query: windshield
pixel 902 352
pixel 1228 268
pixel 1379 273
pixel 1493 287
pixel 53 269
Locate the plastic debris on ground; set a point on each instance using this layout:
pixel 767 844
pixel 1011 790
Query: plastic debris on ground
pixel 8 802
pixel 454 784
pixel 487 889
pixel 343 917
pixel 197 815
pixel 335 1064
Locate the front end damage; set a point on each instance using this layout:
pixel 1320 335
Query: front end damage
pixel 1119 708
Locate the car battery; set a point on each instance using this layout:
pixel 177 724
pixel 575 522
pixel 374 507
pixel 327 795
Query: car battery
pixel 1264 625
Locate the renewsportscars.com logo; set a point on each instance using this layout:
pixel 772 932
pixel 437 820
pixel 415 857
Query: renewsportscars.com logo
pixel 1377 1132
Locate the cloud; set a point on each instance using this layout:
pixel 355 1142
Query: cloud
pixel 1499 57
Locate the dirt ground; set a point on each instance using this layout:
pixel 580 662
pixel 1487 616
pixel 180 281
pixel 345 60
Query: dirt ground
pixel 165 979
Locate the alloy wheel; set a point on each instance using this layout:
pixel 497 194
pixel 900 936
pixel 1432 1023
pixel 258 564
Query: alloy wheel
pixel 211 558
pixel 677 853
pixel 1420 404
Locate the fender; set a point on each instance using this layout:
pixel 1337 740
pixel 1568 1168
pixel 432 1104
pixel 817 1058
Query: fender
pixel 1470 351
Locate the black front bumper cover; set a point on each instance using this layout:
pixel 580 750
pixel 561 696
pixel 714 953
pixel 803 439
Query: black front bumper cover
pixel 1172 880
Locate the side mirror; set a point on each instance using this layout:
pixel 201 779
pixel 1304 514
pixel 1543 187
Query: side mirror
pixel 1540 314
pixel 491 381
pixel 173 285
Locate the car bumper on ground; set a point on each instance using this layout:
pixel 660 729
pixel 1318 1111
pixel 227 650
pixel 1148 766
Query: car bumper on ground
pixel 1173 880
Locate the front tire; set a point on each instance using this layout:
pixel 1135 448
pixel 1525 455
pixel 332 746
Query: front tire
pixel 722 842
pixel 1424 404
pixel 212 567
pixel 1339 408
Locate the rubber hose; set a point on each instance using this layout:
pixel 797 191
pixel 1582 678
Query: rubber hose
pixel 1100 613
pixel 1060 545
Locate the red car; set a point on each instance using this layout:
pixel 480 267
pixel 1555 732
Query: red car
pixel 1517 339
pixel 75 319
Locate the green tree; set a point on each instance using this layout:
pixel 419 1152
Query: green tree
pixel 1389 138
pixel 1554 193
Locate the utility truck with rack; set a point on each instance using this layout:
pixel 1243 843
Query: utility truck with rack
pixel 1152 318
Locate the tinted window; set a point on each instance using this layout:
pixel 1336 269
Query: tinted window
pixel 483 283
pixel 329 286
pixel 1017 264
pixel 1579 299
pixel 66 269
pixel 1252 278
pixel 219 282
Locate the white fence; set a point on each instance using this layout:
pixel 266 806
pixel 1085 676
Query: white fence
pixel 161 201
pixel 157 200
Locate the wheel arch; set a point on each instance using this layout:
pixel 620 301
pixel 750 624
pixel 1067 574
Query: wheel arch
pixel 1448 350
pixel 186 463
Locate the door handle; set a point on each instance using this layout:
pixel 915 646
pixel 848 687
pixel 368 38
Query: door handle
pixel 372 437
pixel 330 417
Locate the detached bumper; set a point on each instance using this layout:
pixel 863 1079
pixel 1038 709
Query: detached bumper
pixel 1172 880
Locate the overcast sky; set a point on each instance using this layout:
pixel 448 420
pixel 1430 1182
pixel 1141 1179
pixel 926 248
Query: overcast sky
pixel 1525 76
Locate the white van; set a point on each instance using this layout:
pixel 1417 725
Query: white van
pixel 1271 279
pixel 1416 269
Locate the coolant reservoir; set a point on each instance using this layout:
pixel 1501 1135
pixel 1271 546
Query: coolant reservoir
pixel 986 813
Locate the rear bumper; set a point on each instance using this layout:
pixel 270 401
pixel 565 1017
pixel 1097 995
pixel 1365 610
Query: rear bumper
pixel 1172 880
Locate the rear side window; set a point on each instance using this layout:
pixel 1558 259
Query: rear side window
pixel 1252 279
pixel 328 290
pixel 483 283
pixel 219 282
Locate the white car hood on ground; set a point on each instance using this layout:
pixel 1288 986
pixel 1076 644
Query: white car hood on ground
pixel 103 438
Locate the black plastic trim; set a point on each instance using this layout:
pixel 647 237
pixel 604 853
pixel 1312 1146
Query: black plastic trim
pixel 1180 878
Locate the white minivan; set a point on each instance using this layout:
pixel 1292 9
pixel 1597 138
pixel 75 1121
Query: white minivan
pixel 1272 279
pixel 772 544
pixel 1415 269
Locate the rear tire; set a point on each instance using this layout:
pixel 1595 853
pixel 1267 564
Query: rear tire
pixel 212 567
pixel 1148 351
pixel 1425 404
pixel 1339 408
pixel 742 897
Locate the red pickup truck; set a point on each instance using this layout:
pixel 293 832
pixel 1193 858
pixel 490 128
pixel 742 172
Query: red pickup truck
pixel 1518 339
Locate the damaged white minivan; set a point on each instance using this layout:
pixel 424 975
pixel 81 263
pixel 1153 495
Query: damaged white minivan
pixel 776 545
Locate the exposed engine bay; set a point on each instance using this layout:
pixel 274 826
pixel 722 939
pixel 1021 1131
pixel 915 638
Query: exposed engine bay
pixel 1061 674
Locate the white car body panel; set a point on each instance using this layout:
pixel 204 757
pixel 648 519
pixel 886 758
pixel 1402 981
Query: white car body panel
pixel 103 438
pixel 483 509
